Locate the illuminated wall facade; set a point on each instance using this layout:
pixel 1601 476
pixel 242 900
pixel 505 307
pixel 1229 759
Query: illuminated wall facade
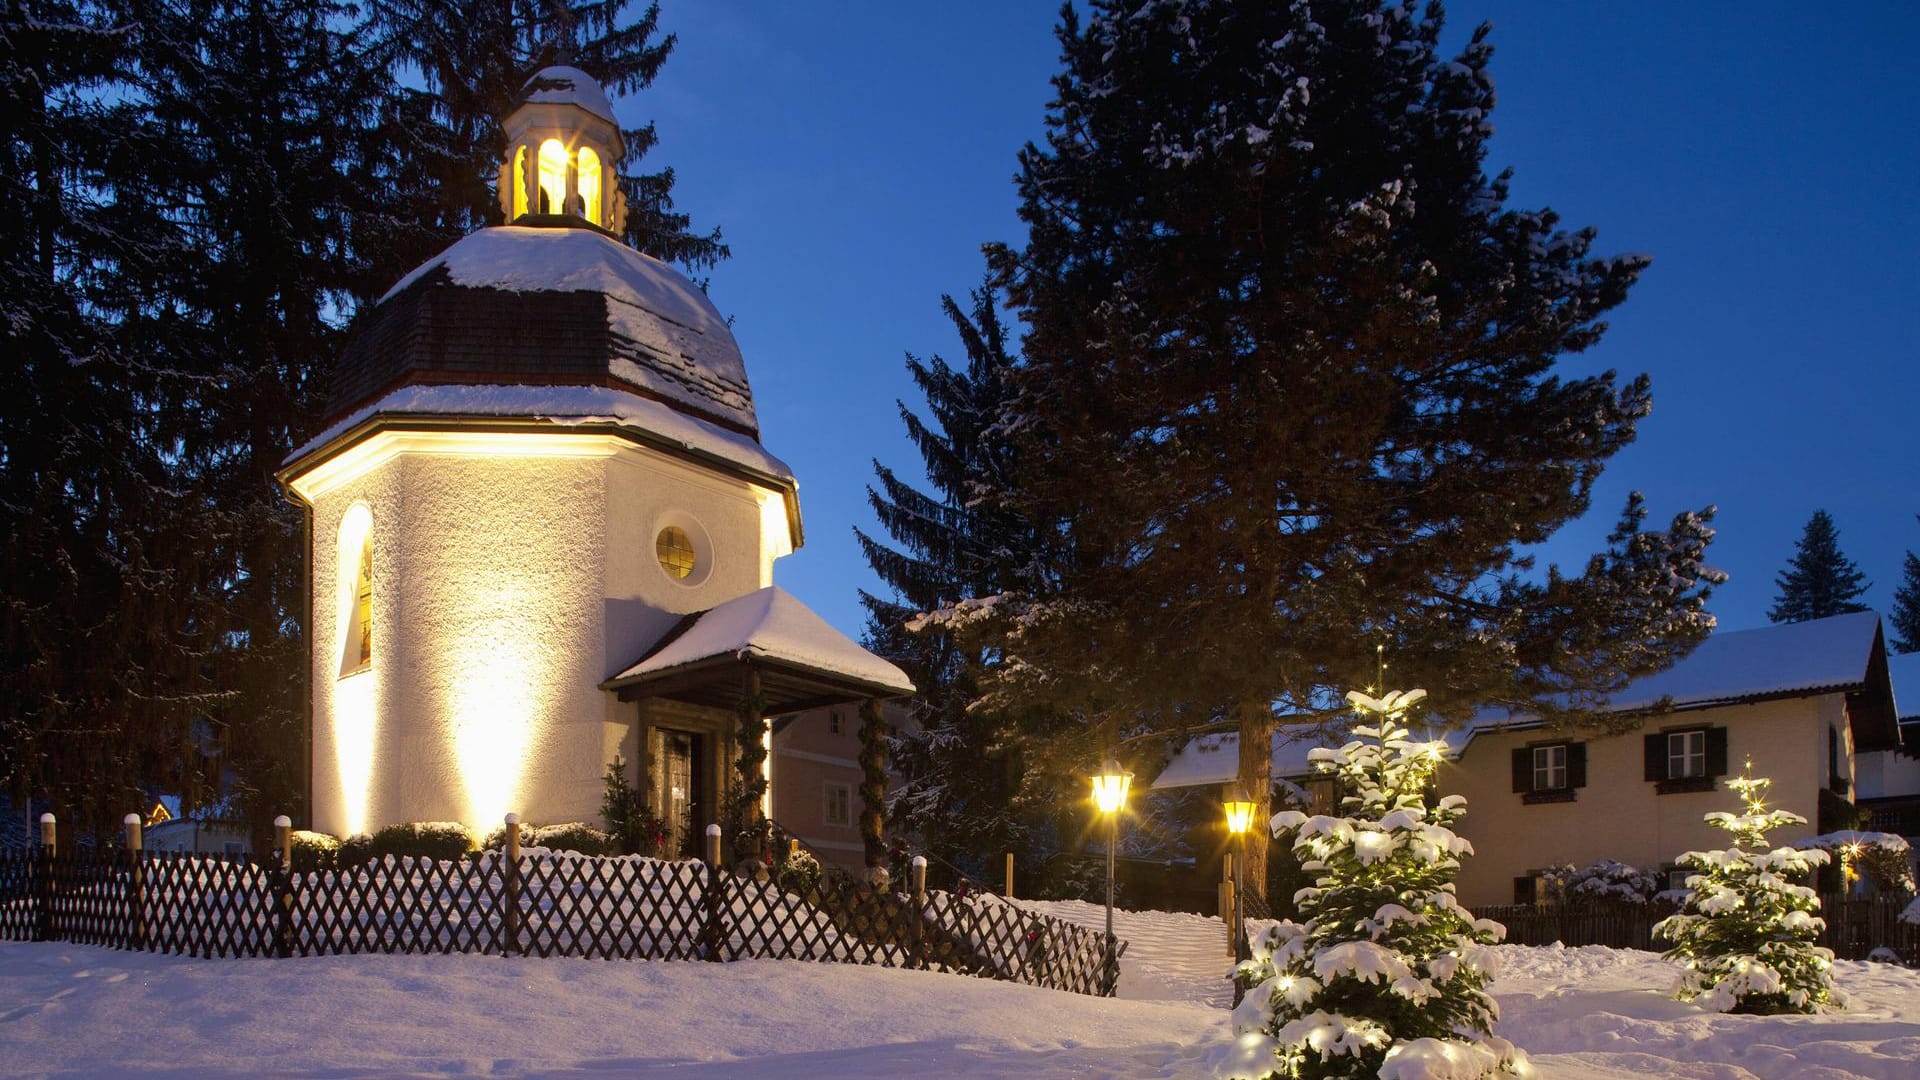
pixel 511 575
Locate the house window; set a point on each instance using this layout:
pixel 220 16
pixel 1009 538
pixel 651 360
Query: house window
pixel 833 723
pixel 1526 890
pixel 674 548
pixel 1677 878
pixel 1686 760
pixel 1686 754
pixel 838 808
pixel 1550 767
pixel 1549 772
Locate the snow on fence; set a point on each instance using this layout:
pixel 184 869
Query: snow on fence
pixel 542 903
pixel 1856 926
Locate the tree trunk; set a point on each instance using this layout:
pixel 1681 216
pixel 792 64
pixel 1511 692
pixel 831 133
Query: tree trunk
pixel 1256 775
pixel 873 782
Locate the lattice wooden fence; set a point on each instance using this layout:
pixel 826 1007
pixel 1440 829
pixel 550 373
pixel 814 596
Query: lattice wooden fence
pixel 541 904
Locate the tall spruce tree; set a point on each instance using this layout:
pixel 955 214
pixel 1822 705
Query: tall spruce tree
pixel 1905 615
pixel 1819 581
pixel 957 542
pixel 1296 355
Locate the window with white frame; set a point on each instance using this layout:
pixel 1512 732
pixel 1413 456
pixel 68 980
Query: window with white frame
pixel 1550 767
pixel 837 808
pixel 1686 754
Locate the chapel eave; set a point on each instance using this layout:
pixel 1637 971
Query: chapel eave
pixel 303 462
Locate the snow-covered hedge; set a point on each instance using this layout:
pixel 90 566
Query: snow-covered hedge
pixel 434 839
pixel 1884 859
pixel 576 836
pixel 1603 880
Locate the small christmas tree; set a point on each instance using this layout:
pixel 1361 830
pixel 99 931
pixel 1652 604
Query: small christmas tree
pixel 1387 974
pixel 1747 932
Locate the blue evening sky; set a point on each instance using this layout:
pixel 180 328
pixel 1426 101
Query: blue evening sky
pixel 858 154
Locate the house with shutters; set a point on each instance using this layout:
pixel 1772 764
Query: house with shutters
pixel 1804 702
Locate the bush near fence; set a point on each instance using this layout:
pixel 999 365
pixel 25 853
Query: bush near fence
pixel 1856 926
pixel 542 903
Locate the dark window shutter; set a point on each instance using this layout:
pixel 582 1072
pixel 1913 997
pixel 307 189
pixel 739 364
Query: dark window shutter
pixel 1717 751
pixel 1522 769
pixel 1523 890
pixel 1657 756
pixel 1577 764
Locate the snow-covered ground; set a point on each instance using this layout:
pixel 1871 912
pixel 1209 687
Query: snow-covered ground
pixel 1584 1014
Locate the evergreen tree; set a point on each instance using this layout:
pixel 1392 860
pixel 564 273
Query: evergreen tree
pixel 959 781
pixel 1905 615
pixel 1746 932
pixel 1295 357
pixel 1387 975
pixel 1819 581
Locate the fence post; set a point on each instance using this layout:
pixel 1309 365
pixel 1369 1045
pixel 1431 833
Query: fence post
pixel 1226 904
pixel 918 934
pixel 714 896
pixel 136 884
pixel 280 874
pixel 1009 875
pixel 43 922
pixel 510 881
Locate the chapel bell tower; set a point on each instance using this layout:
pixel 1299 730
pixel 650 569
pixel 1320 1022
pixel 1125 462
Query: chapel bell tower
pixel 562 146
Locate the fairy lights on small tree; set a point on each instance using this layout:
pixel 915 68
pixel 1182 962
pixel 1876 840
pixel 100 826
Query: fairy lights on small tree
pixel 1747 929
pixel 1387 975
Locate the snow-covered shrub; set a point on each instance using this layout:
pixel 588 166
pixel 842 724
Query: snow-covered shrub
pixel 1911 914
pixel 576 836
pixel 1746 931
pixel 435 839
pixel 799 872
pixel 1603 880
pixel 309 850
pixel 1386 975
pixel 1883 859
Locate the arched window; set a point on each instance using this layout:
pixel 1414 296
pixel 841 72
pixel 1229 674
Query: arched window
pixel 354 586
pixel 588 183
pixel 519 180
pixel 553 177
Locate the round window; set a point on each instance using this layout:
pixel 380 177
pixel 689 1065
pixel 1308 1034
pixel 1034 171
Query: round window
pixel 675 550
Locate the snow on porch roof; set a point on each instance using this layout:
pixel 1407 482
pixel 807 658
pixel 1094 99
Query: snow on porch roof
pixel 1823 655
pixel 767 629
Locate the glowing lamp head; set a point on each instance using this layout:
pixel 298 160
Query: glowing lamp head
pixel 1239 810
pixel 1110 788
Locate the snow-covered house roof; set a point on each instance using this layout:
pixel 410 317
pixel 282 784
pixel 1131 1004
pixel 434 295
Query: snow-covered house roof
pixel 563 85
pixel 1844 653
pixel 1905 671
pixel 799 658
pixel 556 304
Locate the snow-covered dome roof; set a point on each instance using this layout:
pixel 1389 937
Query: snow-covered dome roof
pixel 575 87
pixel 549 305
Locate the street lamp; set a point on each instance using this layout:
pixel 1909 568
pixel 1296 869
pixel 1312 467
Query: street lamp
pixel 1239 819
pixel 1110 797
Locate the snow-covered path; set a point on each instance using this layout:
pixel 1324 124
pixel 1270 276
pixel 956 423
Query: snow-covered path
pixel 1171 955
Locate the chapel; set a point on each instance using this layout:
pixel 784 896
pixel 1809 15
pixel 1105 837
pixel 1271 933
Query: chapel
pixel 542 526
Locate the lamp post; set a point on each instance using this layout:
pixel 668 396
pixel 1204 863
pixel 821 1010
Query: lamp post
pixel 1110 797
pixel 1239 819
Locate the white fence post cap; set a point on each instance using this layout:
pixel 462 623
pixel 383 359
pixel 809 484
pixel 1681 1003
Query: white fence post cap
pixel 130 819
pixel 283 822
pixel 513 819
pixel 713 830
pixel 46 819
pixel 920 861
